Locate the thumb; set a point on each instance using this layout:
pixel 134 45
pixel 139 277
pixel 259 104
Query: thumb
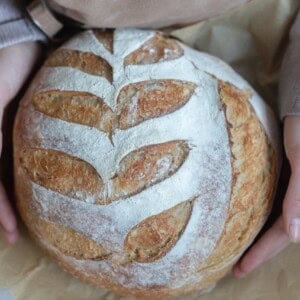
pixel 291 203
pixel 8 221
pixel 291 208
pixel 16 63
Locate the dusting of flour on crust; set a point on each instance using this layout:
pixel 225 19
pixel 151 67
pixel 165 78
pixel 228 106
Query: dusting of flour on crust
pixel 205 175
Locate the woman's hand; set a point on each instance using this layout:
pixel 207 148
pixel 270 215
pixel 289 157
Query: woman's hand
pixel 287 228
pixel 16 63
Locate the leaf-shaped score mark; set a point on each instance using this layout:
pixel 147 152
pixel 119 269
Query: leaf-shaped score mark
pixel 105 37
pixel 68 241
pixel 154 237
pixel 157 49
pixel 61 172
pixel 144 100
pixel 145 167
pixel 78 107
pixel 137 102
pixel 84 61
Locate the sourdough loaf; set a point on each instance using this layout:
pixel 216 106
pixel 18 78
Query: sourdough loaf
pixel 142 165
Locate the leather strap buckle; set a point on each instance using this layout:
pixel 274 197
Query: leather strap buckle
pixel 43 18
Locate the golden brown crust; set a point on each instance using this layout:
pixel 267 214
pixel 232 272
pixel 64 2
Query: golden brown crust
pixel 144 100
pixel 253 165
pixel 77 107
pixel 60 172
pixel 84 61
pixel 155 236
pixel 157 49
pixel 68 241
pixel 147 166
pixel 105 37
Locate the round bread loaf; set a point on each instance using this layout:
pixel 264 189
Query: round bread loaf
pixel 142 165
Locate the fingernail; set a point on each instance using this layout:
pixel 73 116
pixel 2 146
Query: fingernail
pixel 237 273
pixel 12 238
pixel 295 230
pixel 9 226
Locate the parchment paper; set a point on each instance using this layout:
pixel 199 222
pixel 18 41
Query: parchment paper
pixel 252 39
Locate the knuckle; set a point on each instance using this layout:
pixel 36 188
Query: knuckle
pixel 295 166
pixel 292 207
pixel 293 154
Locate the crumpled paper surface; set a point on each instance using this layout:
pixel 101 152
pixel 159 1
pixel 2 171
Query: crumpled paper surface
pixel 252 39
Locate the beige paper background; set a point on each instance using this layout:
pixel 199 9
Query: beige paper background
pixel 252 39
